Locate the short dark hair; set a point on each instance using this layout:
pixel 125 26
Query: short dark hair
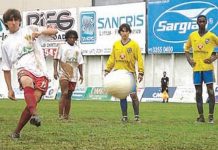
pixel 125 25
pixel 11 14
pixel 70 33
pixel 200 16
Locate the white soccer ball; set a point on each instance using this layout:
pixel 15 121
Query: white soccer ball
pixel 119 83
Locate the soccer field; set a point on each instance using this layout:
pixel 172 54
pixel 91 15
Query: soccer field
pixel 96 125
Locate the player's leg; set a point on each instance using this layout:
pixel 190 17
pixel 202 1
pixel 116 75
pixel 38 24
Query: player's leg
pixel 41 86
pixel 71 87
pixel 211 102
pixel 27 84
pixel 209 79
pixel 198 79
pixel 135 102
pixel 123 106
pixel 64 96
pixel 35 120
pixel 28 87
pixel 24 118
pixel 68 105
pixel 135 105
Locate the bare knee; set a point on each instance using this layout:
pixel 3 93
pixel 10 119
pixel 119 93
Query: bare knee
pixel 134 96
pixel 210 91
pixel 26 81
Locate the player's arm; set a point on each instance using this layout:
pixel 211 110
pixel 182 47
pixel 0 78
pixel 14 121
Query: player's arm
pixel 167 82
pixel 187 48
pixel 140 63
pixel 55 63
pixel 212 58
pixel 111 62
pixel 81 73
pixel 44 31
pixel 6 67
pixel 7 76
pixel 80 67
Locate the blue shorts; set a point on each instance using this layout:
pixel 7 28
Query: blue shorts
pixel 133 90
pixel 203 76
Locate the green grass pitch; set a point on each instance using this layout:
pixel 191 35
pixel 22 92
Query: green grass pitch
pixel 96 125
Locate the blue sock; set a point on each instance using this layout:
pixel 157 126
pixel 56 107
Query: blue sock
pixel 123 105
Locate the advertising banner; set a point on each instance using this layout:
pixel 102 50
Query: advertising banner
pixel 79 93
pixel 52 90
pixel 170 23
pixel 99 26
pixel 153 94
pixel 62 19
pixel 97 93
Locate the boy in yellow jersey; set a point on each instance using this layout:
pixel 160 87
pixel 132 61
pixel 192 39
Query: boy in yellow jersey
pixel 124 55
pixel 202 43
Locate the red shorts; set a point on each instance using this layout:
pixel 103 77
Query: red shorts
pixel 40 83
pixel 71 86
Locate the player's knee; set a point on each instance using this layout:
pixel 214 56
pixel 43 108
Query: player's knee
pixel 210 91
pixel 134 96
pixel 198 92
pixel 65 93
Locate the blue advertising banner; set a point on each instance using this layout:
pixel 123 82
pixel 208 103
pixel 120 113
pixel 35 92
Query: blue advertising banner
pixel 170 23
pixel 155 92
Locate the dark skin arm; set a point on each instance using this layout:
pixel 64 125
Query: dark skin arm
pixel 211 59
pixel 189 59
pixel 55 69
pixel 81 73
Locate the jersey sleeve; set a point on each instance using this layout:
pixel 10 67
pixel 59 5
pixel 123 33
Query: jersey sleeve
pixel 80 57
pixel 139 59
pixel 6 62
pixel 188 45
pixel 111 60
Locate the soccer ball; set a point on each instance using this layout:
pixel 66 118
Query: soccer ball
pixel 119 83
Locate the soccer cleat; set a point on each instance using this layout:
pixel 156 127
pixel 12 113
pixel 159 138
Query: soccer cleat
pixel 210 119
pixel 124 119
pixel 137 119
pixel 14 136
pixel 200 119
pixel 35 120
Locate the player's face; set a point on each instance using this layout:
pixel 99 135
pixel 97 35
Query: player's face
pixel 13 25
pixel 202 22
pixel 124 34
pixel 71 40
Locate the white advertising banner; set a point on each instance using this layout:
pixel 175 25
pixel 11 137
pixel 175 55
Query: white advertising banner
pixel 62 19
pixel 99 26
pixel 186 94
pixel 52 90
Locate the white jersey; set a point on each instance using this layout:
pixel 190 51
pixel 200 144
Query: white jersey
pixel 20 51
pixel 71 55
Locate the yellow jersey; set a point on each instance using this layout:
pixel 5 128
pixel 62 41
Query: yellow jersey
pixel 202 48
pixel 125 57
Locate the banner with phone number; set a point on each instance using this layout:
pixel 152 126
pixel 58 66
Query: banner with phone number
pixel 170 23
